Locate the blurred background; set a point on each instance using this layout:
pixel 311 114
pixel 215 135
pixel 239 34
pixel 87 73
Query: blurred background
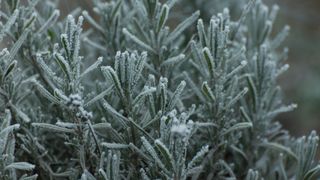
pixel 301 83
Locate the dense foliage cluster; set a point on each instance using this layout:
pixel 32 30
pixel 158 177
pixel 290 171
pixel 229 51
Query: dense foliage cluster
pixel 146 89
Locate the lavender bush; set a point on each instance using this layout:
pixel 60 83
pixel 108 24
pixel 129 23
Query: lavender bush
pixel 146 91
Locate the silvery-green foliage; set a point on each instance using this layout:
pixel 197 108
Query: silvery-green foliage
pixel 8 166
pixel 146 92
pixel 306 149
pixel 150 31
pixel 170 150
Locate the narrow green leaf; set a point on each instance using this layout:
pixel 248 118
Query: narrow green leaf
pixel 280 148
pixel 21 166
pixel 63 64
pixel 101 126
pixel 195 170
pixel 311 174
pixel 245 115
pixel 243 17
pixel 30 21
pixel 162 17
pixel 194 87
pixel 21 114
pixel 33 177
pixel 9 129
pixel 138 41
pixel 206 90
pixel 209 59
pixel 201 33
pixel 197 57
pixel 173 60
pixel 237 69
pixel 51 21
pixel 5 28
pixel 47 69
pixel 99 96
pixel 93 23
pixel 238 126
pixel 182 26
pixel 198 157
pixel 114 113
pixel 253 92
pixel 46 93
pixel 111 75
pixel 276 42
pixel 6 121
pixel 176 95
pixel 237 97
pixel 66 44
pixel 94 66
pixel 114 145
pixel 144 94
pixel 17 45
pixel 139 65
pixel 116 9
pixel 9 69
pixel 239 151
pixel 52 127
pixel 152 152
pixel 169 162
pixel 140 152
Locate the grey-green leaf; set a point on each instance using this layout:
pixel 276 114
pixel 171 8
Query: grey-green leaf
pixel 21 166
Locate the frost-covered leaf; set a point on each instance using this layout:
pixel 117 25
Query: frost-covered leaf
pixel 51 127
pixel 21 166
pixel 238 126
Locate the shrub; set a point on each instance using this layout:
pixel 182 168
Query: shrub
pixel 145 91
